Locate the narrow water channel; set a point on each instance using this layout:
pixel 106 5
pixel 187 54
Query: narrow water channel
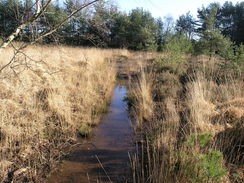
pixel 110 144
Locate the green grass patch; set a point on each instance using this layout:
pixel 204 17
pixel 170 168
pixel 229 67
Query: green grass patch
pixel 85 130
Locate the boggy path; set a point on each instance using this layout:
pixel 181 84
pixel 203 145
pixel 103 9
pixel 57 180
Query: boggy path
pixel 111 143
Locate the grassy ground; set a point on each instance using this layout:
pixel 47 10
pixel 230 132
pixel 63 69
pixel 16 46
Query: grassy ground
pixel 189 112
pixel 47 96
pixel 190 118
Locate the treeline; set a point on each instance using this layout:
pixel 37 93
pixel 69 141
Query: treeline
pixel 217 28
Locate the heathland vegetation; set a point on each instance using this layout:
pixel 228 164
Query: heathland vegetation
pixel 187 99
pixel 45 102
pixel 189 122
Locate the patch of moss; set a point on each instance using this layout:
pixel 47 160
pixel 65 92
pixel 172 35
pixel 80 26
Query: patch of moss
pixel 85 130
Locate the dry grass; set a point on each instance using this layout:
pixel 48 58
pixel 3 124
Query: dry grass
pixel 196 114
pixel 131 63
pixel 214 106
pixel 142 96
pixel 218 108
pixel 45 97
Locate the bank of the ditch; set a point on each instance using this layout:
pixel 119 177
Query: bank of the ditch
pixel 103 157
pixel 189 122
pixel 46 103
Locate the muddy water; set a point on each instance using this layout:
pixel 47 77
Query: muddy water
pixel 110 144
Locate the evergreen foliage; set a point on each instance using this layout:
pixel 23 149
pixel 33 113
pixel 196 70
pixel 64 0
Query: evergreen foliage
pixel 218 29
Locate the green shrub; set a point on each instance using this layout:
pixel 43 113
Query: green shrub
pixel 235 58
pixel 201 139
pixel 238 58
pixel 179 44
pixel 175 49
pixel 197 164
pixel 213 42
pixel 211 165
pixel 202 167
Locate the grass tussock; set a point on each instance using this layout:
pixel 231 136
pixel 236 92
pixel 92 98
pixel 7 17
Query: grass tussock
pixel 142 96
pixel 195 129
pixel 47 95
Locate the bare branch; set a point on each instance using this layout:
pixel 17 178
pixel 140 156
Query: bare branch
pixel 64 21
pixel 38 13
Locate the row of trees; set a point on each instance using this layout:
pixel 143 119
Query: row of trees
pixel 104 25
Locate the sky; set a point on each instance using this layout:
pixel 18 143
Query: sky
pixel 161 8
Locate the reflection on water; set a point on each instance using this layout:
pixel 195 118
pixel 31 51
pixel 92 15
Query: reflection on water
pixel 111 143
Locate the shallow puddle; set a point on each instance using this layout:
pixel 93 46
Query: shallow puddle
pixel 104 158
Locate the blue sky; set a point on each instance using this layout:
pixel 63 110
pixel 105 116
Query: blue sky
pixel 161 8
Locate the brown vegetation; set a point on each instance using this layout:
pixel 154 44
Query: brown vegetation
pixel 192 128
pixel 46 96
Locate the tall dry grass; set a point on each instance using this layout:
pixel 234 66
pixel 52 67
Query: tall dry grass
pixel 142 104
pixel 46 96
pixel 195 129
pixel 205 98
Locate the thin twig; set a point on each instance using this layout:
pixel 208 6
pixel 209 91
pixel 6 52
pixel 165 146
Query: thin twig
pixel 103 168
